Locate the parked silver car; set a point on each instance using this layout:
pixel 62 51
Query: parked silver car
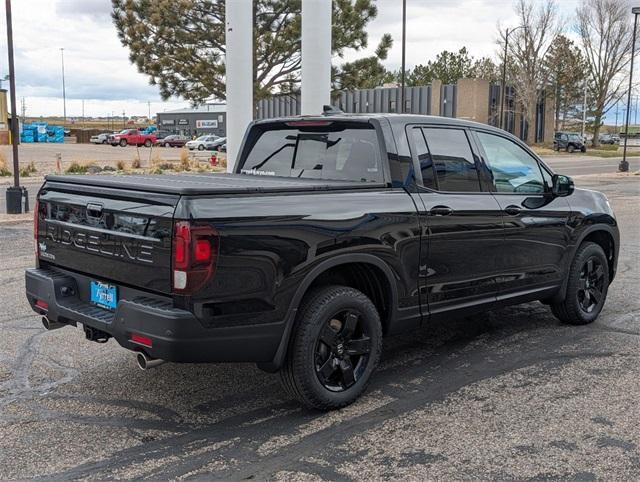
pixel 215 145
pixel 102 138
pixel 201 142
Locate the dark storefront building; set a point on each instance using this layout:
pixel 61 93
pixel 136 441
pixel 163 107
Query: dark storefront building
pixel 194 121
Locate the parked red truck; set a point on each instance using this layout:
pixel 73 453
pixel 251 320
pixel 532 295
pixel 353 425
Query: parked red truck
pixel 132 137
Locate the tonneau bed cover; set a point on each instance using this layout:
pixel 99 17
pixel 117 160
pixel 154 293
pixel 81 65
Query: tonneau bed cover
pixel 206 184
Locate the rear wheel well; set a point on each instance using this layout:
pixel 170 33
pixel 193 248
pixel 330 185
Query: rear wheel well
pixel 366 278
pixel 605 241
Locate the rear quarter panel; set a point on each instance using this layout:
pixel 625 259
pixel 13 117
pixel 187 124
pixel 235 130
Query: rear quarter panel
pixel 269 244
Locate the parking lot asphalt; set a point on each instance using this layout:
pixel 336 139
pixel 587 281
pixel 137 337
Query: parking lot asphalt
pixel 510 394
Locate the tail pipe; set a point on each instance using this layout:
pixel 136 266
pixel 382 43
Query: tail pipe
pixel 145 362
pixel 51 325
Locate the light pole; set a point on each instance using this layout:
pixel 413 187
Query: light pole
pixel 404 52
pixel 584 110
pixel 624 164
pixel 64 92
pixel 504 72
pixel 15 194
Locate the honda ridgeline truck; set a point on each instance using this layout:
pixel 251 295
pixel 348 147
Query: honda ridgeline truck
pixel 333 232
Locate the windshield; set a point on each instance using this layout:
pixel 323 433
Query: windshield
pixel 317 150
pixel 202 138
pixel 575 137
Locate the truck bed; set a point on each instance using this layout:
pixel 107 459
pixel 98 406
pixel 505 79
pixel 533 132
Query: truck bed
pixel 207 184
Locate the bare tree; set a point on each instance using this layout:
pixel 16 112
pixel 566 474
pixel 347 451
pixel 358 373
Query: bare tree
pixel 527 49
pixel 604 27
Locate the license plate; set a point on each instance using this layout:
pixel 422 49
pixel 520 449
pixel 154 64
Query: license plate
pixel 104 295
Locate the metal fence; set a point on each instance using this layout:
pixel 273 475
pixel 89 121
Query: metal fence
pixel 380 100
pixel 418 100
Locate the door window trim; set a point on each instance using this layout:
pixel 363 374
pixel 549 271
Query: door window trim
pixel 477 158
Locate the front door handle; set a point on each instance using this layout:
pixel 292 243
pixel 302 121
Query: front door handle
pixel 440 211
pixel 513 210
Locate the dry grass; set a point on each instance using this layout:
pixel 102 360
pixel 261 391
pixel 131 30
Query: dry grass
pixel 185 161
pixel 4 166
pixel 222 160
pixel 135 164
pixel 121 166
pixel 28 170
pixel 77 168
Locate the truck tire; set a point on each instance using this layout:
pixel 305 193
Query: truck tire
pixel 334 348
pixel 147 143
pixel 123 143
pixel 570 148
pixel 587 286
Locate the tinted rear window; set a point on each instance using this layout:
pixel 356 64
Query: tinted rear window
pixel 333 150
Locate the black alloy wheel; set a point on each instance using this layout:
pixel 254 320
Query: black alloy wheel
pixel 587 286
pixel 591 286
pixel 342 351
pixel 334 348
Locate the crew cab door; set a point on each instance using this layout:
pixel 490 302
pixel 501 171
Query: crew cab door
pixel 536 232
pixel 463 235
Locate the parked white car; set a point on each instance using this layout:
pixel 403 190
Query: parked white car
pixel 201 142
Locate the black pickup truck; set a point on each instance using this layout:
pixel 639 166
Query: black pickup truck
pixel 333 232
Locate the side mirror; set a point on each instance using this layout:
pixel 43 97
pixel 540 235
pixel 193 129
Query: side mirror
pixel 562 185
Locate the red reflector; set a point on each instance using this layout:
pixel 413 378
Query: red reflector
pixel 140 339
pixel 42 304
pixel 202 250
pixel 180 251
pixel 308 123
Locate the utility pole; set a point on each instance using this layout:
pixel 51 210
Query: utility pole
pixel 124 125
pixel 15 194
pixel 624 164
pixel 404 51
pixel 83 126
pixel 584 110
pixel 504 72
pixel 149 113
pixel 64 91
pixel 23 106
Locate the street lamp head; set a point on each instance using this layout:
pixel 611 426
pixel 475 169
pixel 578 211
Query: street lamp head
pixel 635 10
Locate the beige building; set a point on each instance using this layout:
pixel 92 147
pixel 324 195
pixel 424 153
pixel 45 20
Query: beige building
pixel 473 99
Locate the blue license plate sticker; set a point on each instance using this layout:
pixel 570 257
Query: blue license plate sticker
pixel 104 295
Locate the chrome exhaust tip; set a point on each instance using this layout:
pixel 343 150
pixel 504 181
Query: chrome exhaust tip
pixel 146 362
pixel 51 325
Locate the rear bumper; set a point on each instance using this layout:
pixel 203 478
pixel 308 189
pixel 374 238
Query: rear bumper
pixel 177 335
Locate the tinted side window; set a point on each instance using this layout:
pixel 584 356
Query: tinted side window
pixel 512 168
pixel 426 166
pixel 452 159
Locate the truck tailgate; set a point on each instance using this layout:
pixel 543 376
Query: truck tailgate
pixel 113 235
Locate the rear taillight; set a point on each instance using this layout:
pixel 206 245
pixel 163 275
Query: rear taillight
pixel 194 256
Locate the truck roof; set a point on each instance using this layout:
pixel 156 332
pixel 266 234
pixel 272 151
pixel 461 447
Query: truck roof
pixel 393 119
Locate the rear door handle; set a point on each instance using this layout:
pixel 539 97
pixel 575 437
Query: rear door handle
pixel 440 211
pixel 513 210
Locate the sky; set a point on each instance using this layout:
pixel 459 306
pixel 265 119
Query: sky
pixel 98 70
